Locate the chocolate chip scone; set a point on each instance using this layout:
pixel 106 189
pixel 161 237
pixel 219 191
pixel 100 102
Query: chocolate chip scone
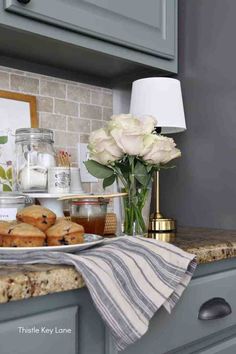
pixel 37 216
pixel 65 232
pixel 21 235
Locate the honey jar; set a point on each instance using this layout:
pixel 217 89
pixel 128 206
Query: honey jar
pixel 90 213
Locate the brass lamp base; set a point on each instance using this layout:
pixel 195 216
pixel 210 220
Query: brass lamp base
pixel 161 228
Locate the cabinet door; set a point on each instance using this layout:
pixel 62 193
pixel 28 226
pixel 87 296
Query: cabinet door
pixel 145 25
pixel 50 332
pixel 225 347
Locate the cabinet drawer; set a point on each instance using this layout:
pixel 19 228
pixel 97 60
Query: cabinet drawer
pixel 168 332
pixel 147 26
pixel 225 347
pixel 49 332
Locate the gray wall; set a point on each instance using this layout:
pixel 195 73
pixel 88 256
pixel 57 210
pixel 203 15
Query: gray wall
pixel 201 191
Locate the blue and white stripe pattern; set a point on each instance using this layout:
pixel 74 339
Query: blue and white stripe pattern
pixel 129 279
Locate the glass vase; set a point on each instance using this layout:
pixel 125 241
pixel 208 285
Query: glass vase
pixel 135 211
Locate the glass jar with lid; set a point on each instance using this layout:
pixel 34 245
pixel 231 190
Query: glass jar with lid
pixel 11 203
pixel 34 155
pixel 90 213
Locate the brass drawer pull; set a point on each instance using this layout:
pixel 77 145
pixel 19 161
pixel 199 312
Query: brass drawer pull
pixel 213 309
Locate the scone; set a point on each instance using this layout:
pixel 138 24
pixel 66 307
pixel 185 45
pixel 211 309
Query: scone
pixel 3 226
pixel 22 235
pixel 65 232
pixel 37 216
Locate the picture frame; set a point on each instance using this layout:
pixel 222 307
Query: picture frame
pixel 17 110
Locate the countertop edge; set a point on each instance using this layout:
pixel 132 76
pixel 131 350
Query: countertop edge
pixel 37 280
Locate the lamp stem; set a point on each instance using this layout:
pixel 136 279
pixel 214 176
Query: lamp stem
pixel 157 183
pixel 160 228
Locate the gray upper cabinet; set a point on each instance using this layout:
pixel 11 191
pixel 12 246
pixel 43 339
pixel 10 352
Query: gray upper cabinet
pixel 107 41
pixel 146 26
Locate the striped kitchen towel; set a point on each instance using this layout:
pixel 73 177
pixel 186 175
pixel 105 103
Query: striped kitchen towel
pixel 129 279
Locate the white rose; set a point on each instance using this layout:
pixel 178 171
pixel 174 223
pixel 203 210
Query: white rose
pixel 128 132
pixel 103 148
pixel 144 125
pixel 159 149
pixel 148 124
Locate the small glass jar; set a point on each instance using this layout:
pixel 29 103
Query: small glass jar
pixel 34 156
pixel 90 213
pixel 11 203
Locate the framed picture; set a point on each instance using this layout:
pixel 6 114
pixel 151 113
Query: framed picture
pixel 16 111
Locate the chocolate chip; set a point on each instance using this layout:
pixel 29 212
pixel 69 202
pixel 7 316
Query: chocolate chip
pixel 44 222
pixel 63 241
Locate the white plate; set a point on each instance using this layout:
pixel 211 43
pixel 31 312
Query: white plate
pixel 52 195
pixel 90 240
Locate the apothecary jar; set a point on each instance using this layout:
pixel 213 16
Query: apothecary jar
pixel 34 155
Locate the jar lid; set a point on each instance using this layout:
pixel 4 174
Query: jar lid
pixel 12 198
pixel 94 201
pixel 42 134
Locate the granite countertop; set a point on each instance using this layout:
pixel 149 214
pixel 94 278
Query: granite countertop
pixel 27 281
pixel 209 245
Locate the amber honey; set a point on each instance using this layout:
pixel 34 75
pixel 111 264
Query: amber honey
pixel 92 225
pixel 90 213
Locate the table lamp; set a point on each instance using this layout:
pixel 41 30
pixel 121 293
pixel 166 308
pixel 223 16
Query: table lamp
pixel 161 98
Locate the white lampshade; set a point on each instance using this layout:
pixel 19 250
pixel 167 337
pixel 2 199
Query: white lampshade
pixel 161 98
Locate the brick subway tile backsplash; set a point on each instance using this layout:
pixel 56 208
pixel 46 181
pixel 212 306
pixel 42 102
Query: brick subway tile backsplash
pixel 71 109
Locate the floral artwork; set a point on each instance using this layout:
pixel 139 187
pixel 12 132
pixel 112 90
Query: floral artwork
pixel 128 150
pixel 6 169
pixel 16 111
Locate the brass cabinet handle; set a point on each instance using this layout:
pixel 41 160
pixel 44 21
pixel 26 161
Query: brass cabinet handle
pixel 214 309
pixel 23 1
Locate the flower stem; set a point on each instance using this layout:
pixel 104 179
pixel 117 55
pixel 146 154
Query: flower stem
pixel 134 202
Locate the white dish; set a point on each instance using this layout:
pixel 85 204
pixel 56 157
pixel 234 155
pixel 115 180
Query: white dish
pixel 51 195
pixel 90 240
pixel 51 201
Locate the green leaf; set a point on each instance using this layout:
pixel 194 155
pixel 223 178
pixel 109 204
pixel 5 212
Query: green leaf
pixel 6 188
pixel 9 173
pixel 141 173
pixel 124 169
pixel 2 173
pixel 149 168
pixel 109 181
pixel 97 170
pixel 3 139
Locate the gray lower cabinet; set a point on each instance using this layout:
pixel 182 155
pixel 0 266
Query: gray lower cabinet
pixel 181 332
pixel 55 332
pixel 147 26
pixel 63 323
pixel 225 347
